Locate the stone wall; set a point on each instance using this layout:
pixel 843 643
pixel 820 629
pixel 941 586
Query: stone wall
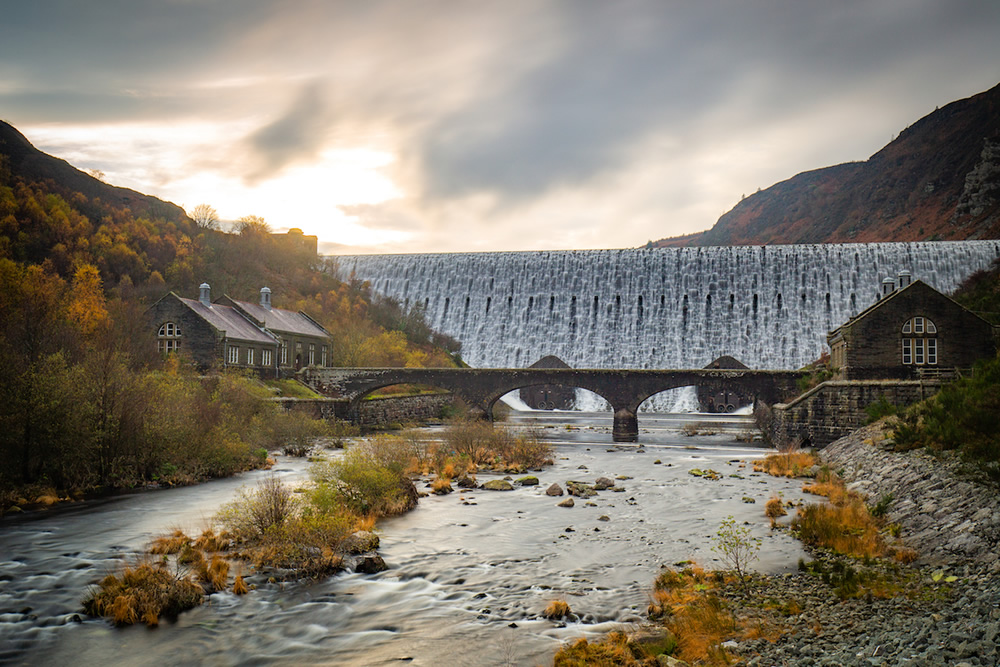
pixel 834 409
pixel 373 412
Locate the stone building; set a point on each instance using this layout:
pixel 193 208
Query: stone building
pixel 303 342
pixel 549 396
pixel 912 331
pixel 723 400
pixel 236 334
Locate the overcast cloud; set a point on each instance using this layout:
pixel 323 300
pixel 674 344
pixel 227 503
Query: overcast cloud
pixel 436 125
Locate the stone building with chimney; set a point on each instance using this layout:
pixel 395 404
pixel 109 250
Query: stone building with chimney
pixel 912 331
pixel 236 334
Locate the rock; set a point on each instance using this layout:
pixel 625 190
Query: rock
pixel 530 480
pixel 361 542
pixel 566 503
pixel 670 661
pixel 748 500
pixel 604 517
pixel 370 564
pixel 554 490
pixel 602 483
pixel 466 482
pixel 580 489
pixel 498 485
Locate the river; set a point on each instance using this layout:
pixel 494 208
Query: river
pixel 469 573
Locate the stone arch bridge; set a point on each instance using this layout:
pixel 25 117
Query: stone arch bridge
pixel 625 390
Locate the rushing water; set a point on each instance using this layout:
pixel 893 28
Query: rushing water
pixel 469 572
pixel 769 306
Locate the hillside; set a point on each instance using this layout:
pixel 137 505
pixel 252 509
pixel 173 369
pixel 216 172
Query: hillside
pixel 58 219
pixel 938 180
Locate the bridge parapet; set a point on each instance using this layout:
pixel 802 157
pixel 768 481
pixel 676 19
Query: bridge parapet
pixel 624 389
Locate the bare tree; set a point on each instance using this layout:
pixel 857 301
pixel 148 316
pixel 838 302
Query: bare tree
pixel 205 216
pixel 252 224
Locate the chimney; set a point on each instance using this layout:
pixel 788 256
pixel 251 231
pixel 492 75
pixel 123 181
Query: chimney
pixel 265 298
pixel 205 294
pixel 888 287
pixel 903 279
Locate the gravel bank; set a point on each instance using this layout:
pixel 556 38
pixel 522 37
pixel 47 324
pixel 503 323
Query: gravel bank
pixel 953 521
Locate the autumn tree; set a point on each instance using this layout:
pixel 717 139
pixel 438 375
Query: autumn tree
pixel 205 216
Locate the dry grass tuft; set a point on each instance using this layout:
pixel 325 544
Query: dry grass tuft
pixel 556 609
pixel 142 592
pixel 787 464
pixel 844 526
pixel 774 509
pixel 441 486
pixel 240 586
pixel 905 555
pixel 170 544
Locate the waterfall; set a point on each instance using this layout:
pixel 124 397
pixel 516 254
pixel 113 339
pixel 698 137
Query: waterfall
pixel 768 306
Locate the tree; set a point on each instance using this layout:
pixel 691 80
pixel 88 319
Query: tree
pixel 737 547
pixel 205 216
pixel 252 225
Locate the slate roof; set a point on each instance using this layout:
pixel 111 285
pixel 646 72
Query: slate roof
pixel 282 321
pixel 230 320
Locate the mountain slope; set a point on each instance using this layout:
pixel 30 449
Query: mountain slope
pixel 21 158
pixel 939 179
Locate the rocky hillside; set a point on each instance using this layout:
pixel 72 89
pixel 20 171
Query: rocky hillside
pixel 938 180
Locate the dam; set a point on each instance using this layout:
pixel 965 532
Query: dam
pixel 768 306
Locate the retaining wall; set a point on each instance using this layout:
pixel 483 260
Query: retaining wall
pixel 835 408
pixel 373 412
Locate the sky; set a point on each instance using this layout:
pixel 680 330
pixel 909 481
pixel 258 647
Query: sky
pixel 444 126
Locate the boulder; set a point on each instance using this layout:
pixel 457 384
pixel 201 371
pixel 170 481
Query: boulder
pixel 566 503
pixel 498 485
pixel 370 564
pixel 580 489
pixel 466 482
pixel 530 480
pixel 360 542
pixel 554 490
pixel 602 483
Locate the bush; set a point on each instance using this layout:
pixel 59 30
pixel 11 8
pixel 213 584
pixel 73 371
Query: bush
pixel 879 409
pixel 257 510
pixel 363 484
pixel 962 417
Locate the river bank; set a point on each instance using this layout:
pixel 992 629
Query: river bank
pixel 953 520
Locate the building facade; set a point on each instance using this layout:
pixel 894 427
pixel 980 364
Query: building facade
pixel 233 334
pixel 913 331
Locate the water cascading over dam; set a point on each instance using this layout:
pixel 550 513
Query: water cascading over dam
pixel 768 306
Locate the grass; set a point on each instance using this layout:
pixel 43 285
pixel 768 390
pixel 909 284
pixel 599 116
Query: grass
pixel 290 388
pixel 793 463
pixel 142 592
pixel 845 525
pixel 774 509
pixel 556 609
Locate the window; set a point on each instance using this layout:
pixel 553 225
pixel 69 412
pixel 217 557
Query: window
pixel 920 342
pixel 168 338
pixel 234 354
pixel 284 353
pixel 322 359
pixel 249 356
pixel 312 353
pixel 265 358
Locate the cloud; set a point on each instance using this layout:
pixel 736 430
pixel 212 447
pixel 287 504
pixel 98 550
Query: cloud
pixel 298 135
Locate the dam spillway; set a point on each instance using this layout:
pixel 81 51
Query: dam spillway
pixel 768 306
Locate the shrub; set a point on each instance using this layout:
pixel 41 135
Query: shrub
pixel 257 510
pixel 879 409
pixel 787 464
pixel 295 432
pixel 363 484
pixel 737 546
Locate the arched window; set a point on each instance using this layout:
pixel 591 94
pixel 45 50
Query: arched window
pixel 919 342
pixel 168 338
